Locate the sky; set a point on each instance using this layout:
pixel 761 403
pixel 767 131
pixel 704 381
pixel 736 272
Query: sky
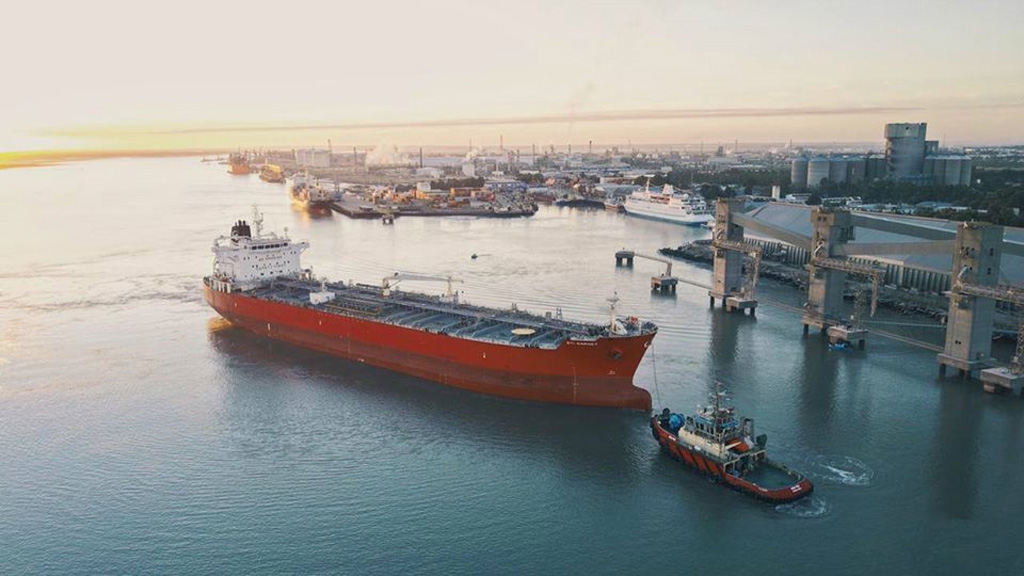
pixel 217 74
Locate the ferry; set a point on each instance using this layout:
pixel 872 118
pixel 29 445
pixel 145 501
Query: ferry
pixel 721 446
pixel 687 208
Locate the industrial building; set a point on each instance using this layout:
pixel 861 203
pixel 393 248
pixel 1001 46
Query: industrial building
pixel 313 158
pixel 909 157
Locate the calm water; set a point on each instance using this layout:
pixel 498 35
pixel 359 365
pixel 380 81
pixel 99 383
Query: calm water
pixel 138 433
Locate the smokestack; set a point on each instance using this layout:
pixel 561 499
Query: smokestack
pixel 421 156
pixel 355 157
pixel 590 147
pixel 501 142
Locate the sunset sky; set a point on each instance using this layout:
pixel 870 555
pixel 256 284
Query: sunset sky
pixel 209 74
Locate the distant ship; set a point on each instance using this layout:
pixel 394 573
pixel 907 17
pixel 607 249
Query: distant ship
pixel 272 173
pixel 239 164
pixel 307 192
pixel 258 284
pixel 687 208
pixel 614 204
pixel 723 447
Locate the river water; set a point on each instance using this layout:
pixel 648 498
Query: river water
pixel 140 434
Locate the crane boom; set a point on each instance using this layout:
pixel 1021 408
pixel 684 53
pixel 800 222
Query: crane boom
pixel 393 280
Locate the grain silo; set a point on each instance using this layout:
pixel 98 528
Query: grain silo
pixel 938 169
pixel 904 149
pixel 798 173
pixel 856 169
pixel 951 177
pixel 837 170
pixel 966 167
pixel 817 170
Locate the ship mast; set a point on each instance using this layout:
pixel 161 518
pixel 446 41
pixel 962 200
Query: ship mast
pixel 257 220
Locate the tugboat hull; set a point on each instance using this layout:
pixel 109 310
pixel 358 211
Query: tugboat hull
pixel 704 464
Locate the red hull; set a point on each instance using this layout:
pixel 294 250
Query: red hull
pixel 715 470
pixel 580 373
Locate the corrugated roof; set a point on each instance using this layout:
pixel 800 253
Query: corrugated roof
pixel 797 218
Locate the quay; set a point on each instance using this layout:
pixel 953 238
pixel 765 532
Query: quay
pixel 358 208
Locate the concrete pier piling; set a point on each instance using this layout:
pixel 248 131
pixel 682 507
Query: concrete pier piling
pixel 976 258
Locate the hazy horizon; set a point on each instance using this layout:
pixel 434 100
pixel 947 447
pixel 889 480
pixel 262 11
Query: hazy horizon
pixel 195 76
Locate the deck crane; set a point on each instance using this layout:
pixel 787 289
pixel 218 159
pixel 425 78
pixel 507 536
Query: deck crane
pixel 665 282
pixel 450 297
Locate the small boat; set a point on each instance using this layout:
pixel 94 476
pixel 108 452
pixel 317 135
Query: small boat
pixel 717 444
pixel 613 204
pixel 839 346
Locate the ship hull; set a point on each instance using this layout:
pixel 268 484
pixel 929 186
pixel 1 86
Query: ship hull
pixel 239 169
pixel 582 373
pixel 707 466
pixel 685 219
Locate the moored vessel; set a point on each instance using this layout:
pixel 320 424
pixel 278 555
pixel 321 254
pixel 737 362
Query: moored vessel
pixel 614 204
pixel 258 284
pixel 687 208
pixel 238 164
pixel 721 446
pixel 307 192
pixel 272 173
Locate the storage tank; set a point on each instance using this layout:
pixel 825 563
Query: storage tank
pixel 938 169
pixel 929 167
pixel 875 167
pixel 904 149
pixel 966 168
pixel 817 170
pixel 837 170
pixel 952 174
pixel 798 173
pixel 856 169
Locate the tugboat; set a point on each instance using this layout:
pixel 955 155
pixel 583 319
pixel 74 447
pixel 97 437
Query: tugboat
pixel 722 447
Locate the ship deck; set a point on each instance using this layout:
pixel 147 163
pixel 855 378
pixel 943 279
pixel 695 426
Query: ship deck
pixel 769 477
pixel 433 314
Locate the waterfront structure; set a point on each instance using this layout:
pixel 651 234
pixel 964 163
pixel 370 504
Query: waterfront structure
pixel 313 158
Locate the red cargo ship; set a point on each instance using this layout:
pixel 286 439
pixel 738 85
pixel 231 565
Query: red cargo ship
pixel 717 444
pixel 258 284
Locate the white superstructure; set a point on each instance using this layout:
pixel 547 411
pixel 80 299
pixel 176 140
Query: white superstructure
pixel 245 260
pixel 682 208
